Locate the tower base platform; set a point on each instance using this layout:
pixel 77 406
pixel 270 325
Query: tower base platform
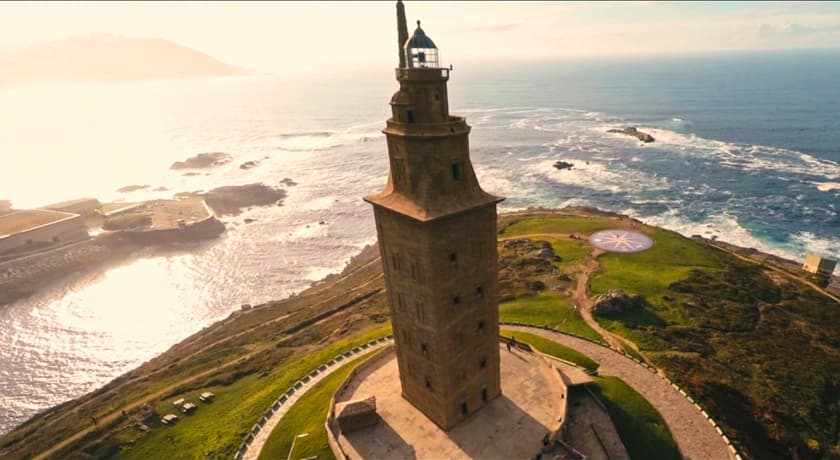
pixel 513 426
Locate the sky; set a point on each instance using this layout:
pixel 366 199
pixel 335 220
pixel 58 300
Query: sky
pixel 312 37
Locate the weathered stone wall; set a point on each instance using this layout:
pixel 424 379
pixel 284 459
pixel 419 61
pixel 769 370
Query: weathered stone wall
pixel 71 228
pixel 441 279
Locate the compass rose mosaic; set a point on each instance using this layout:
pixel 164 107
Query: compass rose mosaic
pixel 620 241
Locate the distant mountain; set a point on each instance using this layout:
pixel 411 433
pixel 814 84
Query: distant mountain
pixel 106 58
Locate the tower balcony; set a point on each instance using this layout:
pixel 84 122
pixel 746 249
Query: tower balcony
pixel 455 126
pixel 422 74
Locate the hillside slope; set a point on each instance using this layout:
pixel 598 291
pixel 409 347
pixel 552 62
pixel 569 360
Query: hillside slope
pixel 106 58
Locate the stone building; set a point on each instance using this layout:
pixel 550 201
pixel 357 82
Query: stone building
pixel 819 265
pixel 437 237
pixel 38 228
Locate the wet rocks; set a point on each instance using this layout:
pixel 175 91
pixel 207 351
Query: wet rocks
pixel 561 165
pixel 203 160
pixel 232 199
pixel 632 131
pixel 132 188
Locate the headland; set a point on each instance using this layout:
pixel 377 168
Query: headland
pixel 703 315
pixel 41 246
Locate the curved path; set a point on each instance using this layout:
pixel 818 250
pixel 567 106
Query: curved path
pixel 581 293
pixel 255 447
pixel 695 436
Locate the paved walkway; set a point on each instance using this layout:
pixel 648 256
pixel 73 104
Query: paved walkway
pixel 696 438
pixel 511 426
pixel 256 446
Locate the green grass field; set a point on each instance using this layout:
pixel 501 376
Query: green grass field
pixel 552 348
pixel 547 308
pixel 640 426
pixel 649 273
pixel 215 430
pixel 570 252
pixel 586 225
pixel 308 416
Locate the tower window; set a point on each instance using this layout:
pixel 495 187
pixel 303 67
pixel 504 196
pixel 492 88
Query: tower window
pixel 479 291
pixel 409 115
pixel 428 382
pixel 463 408
pixel 480 327
pixel 456 300
pixel 456 171
pixel 425 349
pixel 484 394
pixel 437 96
pixel 483 363
pixel 453 257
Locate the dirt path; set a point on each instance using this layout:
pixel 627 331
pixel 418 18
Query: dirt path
pixel 581 295
pixel 695 436
pixel 583 303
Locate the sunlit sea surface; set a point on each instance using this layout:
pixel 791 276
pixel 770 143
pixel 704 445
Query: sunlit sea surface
pixel 747 149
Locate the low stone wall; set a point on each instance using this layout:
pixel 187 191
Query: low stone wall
pixel 281 401
pixel 732 450
pixel 22 276
pixel 206 228
pixel 69 228
pixel 331 424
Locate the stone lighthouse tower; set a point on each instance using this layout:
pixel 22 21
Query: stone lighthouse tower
pixel 437 238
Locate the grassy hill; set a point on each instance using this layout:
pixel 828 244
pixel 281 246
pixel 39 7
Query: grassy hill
pixel 755 346
pixel 758 348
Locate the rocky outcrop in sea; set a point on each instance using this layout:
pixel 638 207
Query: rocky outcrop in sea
pixel 632 131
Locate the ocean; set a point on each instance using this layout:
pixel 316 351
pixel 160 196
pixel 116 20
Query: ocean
pixel 747 149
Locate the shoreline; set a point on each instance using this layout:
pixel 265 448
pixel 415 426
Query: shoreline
pixel 222 353
pixel 24 276
pixel 125 230
pixel 124 249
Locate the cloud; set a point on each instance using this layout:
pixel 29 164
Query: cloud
pixel 793 30
pixel 492 28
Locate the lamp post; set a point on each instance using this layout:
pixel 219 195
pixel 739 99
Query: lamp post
pixel 301 435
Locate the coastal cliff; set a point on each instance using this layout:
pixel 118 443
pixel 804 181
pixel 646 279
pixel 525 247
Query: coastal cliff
pixel 704 314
